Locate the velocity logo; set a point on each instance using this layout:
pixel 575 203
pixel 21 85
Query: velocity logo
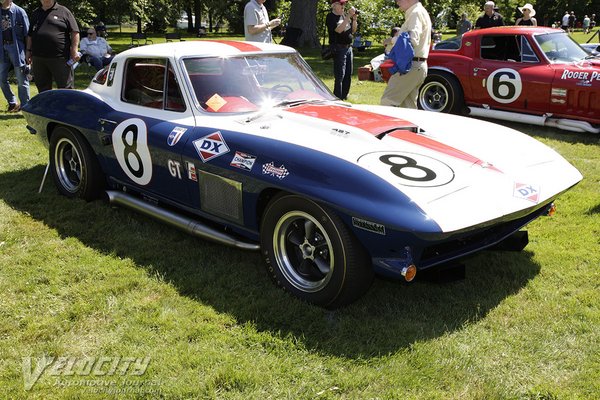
pixel 33 368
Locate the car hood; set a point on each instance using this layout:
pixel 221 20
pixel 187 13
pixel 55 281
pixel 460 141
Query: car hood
pixel 460 171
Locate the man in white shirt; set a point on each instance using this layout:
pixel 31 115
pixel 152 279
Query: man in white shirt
pixel 96 49
pixel 402 89
pixel 257 27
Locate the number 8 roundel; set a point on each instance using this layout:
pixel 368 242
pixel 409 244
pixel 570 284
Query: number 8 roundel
pixel 130 143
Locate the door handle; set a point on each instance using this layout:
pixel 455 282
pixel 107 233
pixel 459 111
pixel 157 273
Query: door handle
pixel 476 70
pixel 106 139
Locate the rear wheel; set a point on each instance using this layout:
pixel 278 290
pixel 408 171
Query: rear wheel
pixel 441 92
pixel 312 254
pixel 74 166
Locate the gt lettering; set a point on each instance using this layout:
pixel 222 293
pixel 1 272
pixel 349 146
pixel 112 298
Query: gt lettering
pixel 175 169
pixel 409 164
pixel 130 144
pixel 504 85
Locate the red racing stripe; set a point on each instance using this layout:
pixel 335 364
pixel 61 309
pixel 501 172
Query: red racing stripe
pixel 367 121
pixel 241 46
pixel 424 141
pixel 376 124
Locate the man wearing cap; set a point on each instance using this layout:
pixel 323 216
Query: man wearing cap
pixel 490 18
pixel 341 26
pixel 527 19
pixel 15 26
pixel 257 26
pixel 402 89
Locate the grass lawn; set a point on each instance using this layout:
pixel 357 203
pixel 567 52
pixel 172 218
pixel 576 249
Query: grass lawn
pixel 123 305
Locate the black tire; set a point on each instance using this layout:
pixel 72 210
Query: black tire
pixel 312 254
pixel 74 165
pixel 441 92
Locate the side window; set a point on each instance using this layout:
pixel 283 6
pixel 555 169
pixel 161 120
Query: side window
pixel 503 48
pixel 174 98
pixel 527 53
pixel 144 82
pixel 488 48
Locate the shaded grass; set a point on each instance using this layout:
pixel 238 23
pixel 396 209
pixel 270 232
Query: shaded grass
pixel 86 280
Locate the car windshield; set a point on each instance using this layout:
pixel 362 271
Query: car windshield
pixel 559 47
pixel 250 83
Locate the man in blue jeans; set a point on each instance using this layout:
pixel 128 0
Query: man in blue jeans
pixel 15 25
pixel 341 26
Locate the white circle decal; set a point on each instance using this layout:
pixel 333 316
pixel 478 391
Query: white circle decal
pixel 504 85
pixel 408 169
pixel 130 144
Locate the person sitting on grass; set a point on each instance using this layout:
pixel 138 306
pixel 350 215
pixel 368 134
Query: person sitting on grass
pixel 96 50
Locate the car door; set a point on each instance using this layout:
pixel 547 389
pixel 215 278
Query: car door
pixel 509 75
pixel 146 133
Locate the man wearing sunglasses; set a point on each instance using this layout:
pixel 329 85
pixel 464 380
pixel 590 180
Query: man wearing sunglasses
pixel 52 41
pixel 96 49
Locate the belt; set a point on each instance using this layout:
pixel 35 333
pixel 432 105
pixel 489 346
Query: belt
pixel 419 59
pixel 7 42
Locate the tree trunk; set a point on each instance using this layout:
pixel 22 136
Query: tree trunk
pixel 303 15
pixel 188 11
pixel 198 14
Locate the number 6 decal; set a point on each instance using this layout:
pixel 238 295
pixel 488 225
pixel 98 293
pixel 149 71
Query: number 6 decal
pixel 130 143
pixel 504 85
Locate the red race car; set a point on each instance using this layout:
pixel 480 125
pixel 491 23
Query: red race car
pixel 534 75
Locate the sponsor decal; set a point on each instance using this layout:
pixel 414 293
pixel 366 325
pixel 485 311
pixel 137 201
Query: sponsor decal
pixel 175 135
pixel 191 170
pixel 580 75
pixel 559 92
pixel 174 169
pixel 211 146
pixel 527 192
pixel 277 172
pixel 243 161
pixel 368 226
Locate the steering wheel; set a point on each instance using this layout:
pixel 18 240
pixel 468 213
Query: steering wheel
pixel 277 88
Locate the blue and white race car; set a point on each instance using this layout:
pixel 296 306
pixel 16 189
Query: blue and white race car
pixel 241 143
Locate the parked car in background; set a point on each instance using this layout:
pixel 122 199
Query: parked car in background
pixel 534 75
pixel 592 48
pixel 242 144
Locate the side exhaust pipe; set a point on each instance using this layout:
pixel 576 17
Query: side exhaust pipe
pixel 186 224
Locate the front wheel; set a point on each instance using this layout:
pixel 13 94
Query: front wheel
pixel 74 166
pixel 312 254
pixel 441 92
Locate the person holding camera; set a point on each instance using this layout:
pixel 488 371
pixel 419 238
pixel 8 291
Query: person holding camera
pixel 257 26
pixel 15 25
pixel 341 26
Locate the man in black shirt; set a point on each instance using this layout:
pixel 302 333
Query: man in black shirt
pixel 489 18
pixel 53 40
pixel 341 26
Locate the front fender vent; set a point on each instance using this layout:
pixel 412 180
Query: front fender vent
pixel 220 196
